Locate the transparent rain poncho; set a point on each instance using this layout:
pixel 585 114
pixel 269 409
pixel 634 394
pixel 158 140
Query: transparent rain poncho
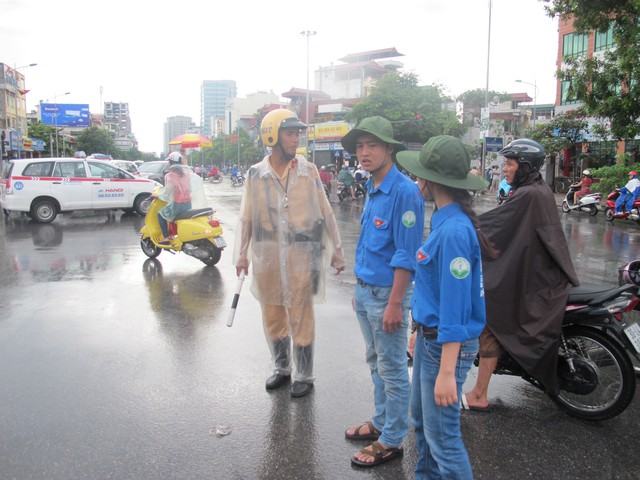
pixel 288 233
pixel 196 192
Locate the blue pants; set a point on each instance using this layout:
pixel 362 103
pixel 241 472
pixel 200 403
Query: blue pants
pixel 626 200
pixel 178 208
pixel 386 355
pixel 441 451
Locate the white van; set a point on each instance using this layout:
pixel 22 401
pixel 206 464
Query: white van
pixel 46 187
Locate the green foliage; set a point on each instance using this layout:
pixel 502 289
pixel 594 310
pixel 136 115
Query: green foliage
pixel 608 85
pixel 97 140
pixel 398 98
pixel 476 99
pixel 562 132
pixel 612 177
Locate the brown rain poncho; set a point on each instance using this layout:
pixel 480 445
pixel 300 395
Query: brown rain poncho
pixel 527 287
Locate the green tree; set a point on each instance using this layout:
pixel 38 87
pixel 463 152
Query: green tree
pixel 607 85
pixel 612 176
pixel 474 100
pixel 417 112
pixel 46 133
pixel 97 140
pixel 563 132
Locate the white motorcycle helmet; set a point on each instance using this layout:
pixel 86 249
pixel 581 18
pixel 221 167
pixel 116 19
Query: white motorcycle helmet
pixel 586 173
pixel 174 157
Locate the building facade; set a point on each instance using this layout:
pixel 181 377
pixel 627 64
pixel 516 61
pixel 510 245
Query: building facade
pixel 214 98
pixel 117 120
pixel 592 152
pixel 174 126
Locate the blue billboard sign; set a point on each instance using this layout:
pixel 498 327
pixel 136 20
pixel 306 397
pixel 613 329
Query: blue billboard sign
pixel 493 144
pixel 65 114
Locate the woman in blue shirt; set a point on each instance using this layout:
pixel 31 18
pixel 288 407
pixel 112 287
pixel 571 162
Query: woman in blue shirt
pixel 447 305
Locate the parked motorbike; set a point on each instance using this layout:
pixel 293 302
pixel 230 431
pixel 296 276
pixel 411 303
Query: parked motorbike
pixel 237 180
pixel 343 191
pixel 633 214
pixel 599 337
pixel 504 190
pixel 589 203
pixel 195 232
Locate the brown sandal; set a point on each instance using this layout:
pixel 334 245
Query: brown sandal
pixel 379 453
pixel 373 434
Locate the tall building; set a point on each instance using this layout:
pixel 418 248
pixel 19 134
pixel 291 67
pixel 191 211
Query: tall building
pixel 214 97
pixel 594 152
pixel 117 120
pixel 174 126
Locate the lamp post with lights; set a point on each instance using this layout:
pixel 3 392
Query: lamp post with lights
pixel 309 33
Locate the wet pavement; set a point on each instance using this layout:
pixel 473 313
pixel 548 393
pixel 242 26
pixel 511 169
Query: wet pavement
pixel 116 366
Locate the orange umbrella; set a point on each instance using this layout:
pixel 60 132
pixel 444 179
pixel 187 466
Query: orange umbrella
pixel 192 140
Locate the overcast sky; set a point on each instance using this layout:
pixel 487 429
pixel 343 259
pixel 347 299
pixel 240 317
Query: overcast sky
pixel 154 55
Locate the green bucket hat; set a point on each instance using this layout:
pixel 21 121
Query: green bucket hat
pixel 379 127
pixel 443 160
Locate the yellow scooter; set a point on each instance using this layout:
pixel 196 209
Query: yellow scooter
pixel 196 232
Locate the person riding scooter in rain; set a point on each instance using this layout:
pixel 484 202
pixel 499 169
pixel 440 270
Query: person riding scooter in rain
pixel 183 190
pixel 585 186
pixel 628 194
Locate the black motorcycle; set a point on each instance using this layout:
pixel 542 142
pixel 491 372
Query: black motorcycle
pixel 343 192
pixel 596 376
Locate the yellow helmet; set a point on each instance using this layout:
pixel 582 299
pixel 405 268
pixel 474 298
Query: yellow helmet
pixel 274 121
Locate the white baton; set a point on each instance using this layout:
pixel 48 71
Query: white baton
pixel 236 296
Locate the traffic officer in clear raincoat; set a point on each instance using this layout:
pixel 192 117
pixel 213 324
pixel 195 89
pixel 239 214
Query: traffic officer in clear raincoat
pixel 287 229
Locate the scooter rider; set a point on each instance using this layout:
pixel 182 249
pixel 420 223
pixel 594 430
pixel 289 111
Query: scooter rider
pixel 526 288
pixel 628 193
pixel 585 186
pixel 234 174
pixel 176 192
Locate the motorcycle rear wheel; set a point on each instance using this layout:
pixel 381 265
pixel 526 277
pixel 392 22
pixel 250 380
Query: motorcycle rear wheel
pixel 616 381
pixel 593 210
pixel 214 254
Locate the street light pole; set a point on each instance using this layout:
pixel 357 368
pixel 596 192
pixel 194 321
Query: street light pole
pixel 308 33
pixel 535 97
pixel 486 96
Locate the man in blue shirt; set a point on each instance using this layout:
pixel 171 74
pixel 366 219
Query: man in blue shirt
pixel 392 226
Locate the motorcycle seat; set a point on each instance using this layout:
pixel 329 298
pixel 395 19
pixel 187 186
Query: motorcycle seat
pixel 195 212
pixel 593 294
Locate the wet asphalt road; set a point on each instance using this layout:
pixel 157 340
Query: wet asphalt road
pixel 114 366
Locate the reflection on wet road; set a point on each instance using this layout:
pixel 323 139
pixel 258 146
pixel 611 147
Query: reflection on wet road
pixel 113 365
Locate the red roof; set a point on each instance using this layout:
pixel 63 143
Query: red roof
pixel 371 55
pixel 521 97
pixel 302 92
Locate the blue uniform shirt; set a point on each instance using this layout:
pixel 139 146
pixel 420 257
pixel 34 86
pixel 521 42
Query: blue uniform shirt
pixel 392 226
pixel 449 292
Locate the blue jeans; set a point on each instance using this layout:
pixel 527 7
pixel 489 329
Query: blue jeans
pixel 386 355
pixel 442 454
